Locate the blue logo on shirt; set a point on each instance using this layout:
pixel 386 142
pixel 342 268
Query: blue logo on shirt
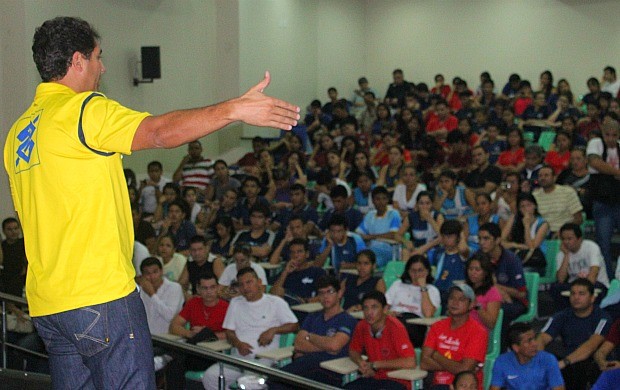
pixel 26 150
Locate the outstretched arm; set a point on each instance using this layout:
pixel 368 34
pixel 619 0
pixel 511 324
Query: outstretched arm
pixel 179 127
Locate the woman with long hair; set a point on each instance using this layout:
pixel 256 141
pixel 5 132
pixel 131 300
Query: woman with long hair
pixel 479 277
pixel 355 286
pixel 525 233
pixel 414 296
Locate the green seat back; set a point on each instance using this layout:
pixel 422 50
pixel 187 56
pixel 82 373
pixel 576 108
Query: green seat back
pixel 393 271
pixel 532 280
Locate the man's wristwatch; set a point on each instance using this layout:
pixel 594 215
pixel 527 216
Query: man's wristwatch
pixel 566 362
pixel 307 337
pixel 423 289
pixel 373 366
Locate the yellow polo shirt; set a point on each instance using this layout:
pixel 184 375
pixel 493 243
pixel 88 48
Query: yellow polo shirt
pixel 63 158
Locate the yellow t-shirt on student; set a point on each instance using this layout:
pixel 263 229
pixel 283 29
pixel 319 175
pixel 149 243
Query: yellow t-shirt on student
pixel 63 158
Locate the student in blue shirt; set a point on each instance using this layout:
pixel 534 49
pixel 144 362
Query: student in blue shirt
pixel 524 366
pixel 340 245
pixel 449 258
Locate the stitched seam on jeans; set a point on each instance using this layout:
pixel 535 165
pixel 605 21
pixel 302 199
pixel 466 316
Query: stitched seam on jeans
pixel 84 335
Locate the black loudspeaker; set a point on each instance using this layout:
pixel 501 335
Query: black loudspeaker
pixel 151 63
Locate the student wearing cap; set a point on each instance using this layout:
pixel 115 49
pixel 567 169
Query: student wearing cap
pixel 458 343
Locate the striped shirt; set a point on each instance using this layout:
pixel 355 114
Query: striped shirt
pixel 558 206
pixel 197 174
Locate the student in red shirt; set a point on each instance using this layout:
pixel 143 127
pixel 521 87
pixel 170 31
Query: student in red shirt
pixel 441 124
pixel 385 341
pixel 456 344
pixel 204 312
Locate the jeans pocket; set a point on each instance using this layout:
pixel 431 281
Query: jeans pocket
pixel 91 328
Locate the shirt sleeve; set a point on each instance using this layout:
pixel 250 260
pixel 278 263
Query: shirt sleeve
pixel 553 325
pixel 574 204
pixel 395 222
pixel 107 126
pixel 285 315
pixel 363 227
pixel 431 337
pixel 595 147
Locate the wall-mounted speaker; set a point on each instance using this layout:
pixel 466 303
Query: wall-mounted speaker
pixel 151 63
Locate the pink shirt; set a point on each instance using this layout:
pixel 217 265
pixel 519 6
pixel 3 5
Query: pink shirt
pixel 492 295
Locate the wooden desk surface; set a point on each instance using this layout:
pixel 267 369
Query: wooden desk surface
pixel 342 366
pixel 269 266
pixel 308 307
pixel 424 321
pixel 170 336
pixel 219 345
pixel 411 374
pixel 277 354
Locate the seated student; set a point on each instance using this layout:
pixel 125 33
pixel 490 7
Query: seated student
pixel 294 229
pixel 297 282
pixel 226 207
pixel 406 193
pixel 458 155
pixel 201 261
pixel 228 284
pixel 607 347
pixel 382 222
pixel 178 227
pixel 195 213
pixel 513 158
pixel 257 237
pixel 484 209
pixel 449 258
pixel 559 157
pixel 224 234
pixel 485 177
pixel 143 230
pixel 535 115
pixel 423 224
pixel 578 258
pixel 170 193
pixel 465 380
pixel 525 234
pixel 175 264
pixel 361 193
pixel 340 245
pixel 441 124
pixel 524 366
pixel 324 335
pixel 383 339
pixel 508 273
pixel 450 197
pixel 151 188
pixel 205 316
pixel 492 144
pixel 254 322
pixel 534 156
pixel 479 277
pixel 250 189
pixel 582 327
pixel 162 298
pixel 221 181
pixel 299 208
pixel 355 286
pixel 414 296
pixel 340 199
pixel 457 343
pixel 389 175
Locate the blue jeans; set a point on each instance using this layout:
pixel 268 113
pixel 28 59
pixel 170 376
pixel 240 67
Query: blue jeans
pixel 105 346
pixel 606 219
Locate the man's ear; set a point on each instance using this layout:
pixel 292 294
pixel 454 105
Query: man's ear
pixel 77 61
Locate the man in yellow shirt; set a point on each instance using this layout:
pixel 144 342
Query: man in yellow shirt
pixel 63 158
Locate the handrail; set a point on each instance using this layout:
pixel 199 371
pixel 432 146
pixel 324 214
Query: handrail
pixel 12 299
pixel 298 381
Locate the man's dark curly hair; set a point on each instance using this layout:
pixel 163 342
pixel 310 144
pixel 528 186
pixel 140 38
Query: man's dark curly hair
pixel 55 42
